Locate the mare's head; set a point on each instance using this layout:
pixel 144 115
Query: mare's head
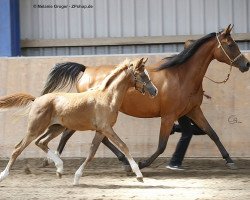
pixel 141 78
pixel 228 51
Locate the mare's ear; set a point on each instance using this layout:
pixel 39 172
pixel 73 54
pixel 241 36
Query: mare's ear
pixel 228 30
pixel 188 43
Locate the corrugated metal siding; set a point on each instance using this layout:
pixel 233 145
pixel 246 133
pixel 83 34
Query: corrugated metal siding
pixel 119 18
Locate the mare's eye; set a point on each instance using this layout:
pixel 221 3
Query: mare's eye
pixel 230 45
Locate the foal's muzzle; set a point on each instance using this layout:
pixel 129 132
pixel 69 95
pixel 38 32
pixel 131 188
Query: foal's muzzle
pixel 151 89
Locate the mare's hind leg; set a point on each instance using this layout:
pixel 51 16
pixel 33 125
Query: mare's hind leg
pixel 93 148
pixel 64 139
pixel 17 151
pixel 52 132
pixel 121 157
pixel 200 120
pixel 113 137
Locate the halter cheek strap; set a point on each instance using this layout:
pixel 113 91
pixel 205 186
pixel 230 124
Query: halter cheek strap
pixel 220 46
pixel 141 82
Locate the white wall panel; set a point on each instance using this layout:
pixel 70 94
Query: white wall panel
pixel 120 18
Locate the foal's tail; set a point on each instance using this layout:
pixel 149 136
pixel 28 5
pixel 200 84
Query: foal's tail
pixel 62 75
pixel 16 100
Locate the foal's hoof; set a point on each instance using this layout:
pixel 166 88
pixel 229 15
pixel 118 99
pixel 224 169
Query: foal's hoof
pixel 231 166
pixel 127 168
pixel 59 174
pixel 140 179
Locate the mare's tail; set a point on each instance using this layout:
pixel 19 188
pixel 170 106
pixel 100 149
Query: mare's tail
pixel 16 100
pixel 62 75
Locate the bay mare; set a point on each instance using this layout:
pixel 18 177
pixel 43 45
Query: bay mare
pixel 179 82
pixel 96 109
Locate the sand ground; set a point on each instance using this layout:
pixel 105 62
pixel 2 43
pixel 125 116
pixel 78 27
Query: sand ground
pixel 105 179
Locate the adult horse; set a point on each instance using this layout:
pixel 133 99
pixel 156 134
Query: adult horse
pixel 96 109
pixel 179 82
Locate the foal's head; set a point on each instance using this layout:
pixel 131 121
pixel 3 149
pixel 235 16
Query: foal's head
pixel 228 51
pixel 140 77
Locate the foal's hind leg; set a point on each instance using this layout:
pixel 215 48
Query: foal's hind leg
pixel 18 150
pixel 52 132
pixel 65 137
pixel 94 146
pixel 113 137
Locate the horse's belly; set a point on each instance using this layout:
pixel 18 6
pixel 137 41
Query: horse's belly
pixel 137 105
pixel 79 124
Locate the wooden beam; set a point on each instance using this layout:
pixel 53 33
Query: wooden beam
pixel 114 41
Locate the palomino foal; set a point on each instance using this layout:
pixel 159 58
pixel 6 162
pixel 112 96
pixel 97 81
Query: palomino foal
pixel 96 109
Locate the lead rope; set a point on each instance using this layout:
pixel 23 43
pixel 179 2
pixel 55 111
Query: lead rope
pixel 225 80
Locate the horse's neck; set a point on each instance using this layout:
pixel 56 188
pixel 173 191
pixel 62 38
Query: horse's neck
pixel 117 89
pixel 199 63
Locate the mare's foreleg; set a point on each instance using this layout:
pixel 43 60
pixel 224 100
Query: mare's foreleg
pixel 166 127
pixel 42 142
pixel 93 148
pixel 198 117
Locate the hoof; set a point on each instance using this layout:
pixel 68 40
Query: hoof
pixel 141 164
pixel 45 163
pixel 140 179
pixel 76 181
pixel 127 168
pixel 231 166
pixel 59 174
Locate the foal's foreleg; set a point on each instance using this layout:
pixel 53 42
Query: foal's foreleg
pixel 200 120
pixel 166 127
pixel 93 148
pixel 121 157
pixel 52 132
pixel 112 136
pixel 18 150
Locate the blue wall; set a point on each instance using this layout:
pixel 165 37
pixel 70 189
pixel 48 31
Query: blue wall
pixel 9 28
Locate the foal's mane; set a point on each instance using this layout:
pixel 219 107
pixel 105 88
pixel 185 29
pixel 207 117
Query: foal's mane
pixel 113 74
pixel 187 53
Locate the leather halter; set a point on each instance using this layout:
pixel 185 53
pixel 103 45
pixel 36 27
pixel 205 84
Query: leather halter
pixel 140 89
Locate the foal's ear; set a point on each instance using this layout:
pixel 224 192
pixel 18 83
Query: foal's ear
pixel 228 30
pixel 139 64
pixel 145 60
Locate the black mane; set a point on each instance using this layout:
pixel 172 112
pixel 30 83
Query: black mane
pixel 185 54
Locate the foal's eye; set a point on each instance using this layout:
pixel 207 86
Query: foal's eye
pixel 230 45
